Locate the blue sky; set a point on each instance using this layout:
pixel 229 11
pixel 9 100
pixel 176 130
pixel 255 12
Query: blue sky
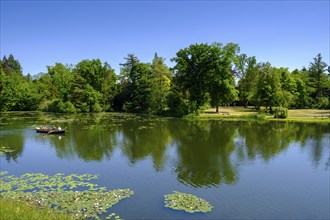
pixel 40 33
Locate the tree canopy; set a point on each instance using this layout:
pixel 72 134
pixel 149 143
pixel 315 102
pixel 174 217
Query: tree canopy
pixel 203 75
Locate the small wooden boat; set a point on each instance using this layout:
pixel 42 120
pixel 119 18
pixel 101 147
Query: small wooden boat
pixel 50 130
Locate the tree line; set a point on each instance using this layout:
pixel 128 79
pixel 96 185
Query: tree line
pixel 204 75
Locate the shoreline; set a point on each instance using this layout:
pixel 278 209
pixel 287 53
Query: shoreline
pixel 237 113
pixel 248 114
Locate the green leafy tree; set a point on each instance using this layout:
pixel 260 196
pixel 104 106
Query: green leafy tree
pixel 221 81
pixel 123 94
pixel 144 86
pixel 78 97
pixel 93 98
pixel 46 89
pixel 241 65
pixel 17 94
pixel 94 86
pixel 318 77
pixel 16 91
pixel 288 86
pixel 204 71
pixel 160 85
pixel 191 73
pixel 10 65
pixel 108 87
pixel 249 73
pixel 139 88
pixel 92 71
pixel 269 91
pixel 4 90
pixel 62 79
pixel 301 96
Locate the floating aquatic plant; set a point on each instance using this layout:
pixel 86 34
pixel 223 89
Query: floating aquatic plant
pixel 88 200
pixel 187 202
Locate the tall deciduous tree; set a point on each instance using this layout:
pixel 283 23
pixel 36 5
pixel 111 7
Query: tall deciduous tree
pixel 288 86
pixel 221 80
pixel 160 84
pixel 269 91
pixel 92 71
pixel 205 71
pixel 144 86
pixel 193 65
pixel 248 74
pixel 62 79
pixel 109 88
pixel 78 94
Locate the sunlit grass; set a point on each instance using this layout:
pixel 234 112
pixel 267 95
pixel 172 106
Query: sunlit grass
pixel 19 210
pixel 241 113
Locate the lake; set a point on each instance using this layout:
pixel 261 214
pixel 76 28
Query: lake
pixel 245 169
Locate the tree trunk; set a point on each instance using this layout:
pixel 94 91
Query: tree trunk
pixel 217 109
pixel 319 84
pixel 246 104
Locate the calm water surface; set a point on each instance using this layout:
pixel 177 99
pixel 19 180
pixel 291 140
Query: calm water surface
pixel 247 170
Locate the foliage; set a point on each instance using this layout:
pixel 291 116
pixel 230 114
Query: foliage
pixel 57 192
pixel 187 202
pixel 248 74
pixel 301 99
pixel 269 92
pixel 281 112
pixel 144 86
pixel 11 65
pixel 204 71
pixel 317 75
pixel 62 79
pixel 176 104
pixel 203 74
pixel 323 103
pixel 260 116
pixel 160 85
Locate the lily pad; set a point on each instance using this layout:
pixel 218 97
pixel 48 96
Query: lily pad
pixel 186 202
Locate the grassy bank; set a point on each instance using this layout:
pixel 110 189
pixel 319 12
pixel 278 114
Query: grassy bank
pixel 14 210
pixel 241 113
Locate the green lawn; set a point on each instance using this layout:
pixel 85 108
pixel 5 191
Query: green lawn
pixel 11 210
pixel 229 113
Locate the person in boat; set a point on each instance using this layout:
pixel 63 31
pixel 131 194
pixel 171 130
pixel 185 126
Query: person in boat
pixel 59 128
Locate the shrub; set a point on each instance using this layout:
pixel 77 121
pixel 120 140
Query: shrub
pixel 96 107
pixel 60 107
pixel 69 107
pixel 260 116
pixel 281 112
pixel 49 106
pixel 322 103
pixel 84 107
pixel 177 106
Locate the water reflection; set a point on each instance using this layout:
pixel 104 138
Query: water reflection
pixel 204 151
pixel 15 142
pixel 207 153
pixel 145 139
